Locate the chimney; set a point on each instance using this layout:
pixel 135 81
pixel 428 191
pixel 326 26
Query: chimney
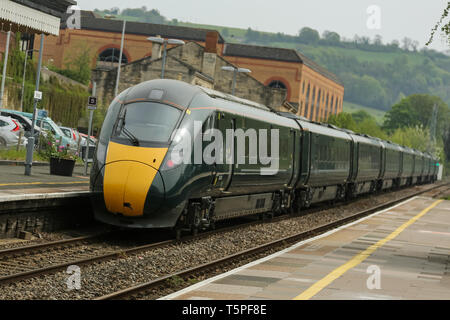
pixel 212 39
pixel 210 53
pixel 156 50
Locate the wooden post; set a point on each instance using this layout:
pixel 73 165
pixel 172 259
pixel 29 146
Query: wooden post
pixel 20 140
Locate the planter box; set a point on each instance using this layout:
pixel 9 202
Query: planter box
pixel 61 167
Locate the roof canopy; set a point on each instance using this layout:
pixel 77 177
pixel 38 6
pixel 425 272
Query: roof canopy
pixel 33 16
pixel 91 21
pixel 273 53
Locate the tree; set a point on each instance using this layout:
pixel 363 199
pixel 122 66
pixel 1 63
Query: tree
pixel 378 41
pixel 78 65
pixel 370 127
pixel 414 137
pixel 343 120
pixel 445 26
pixel 331 37
pixel 365 90
pixel 225 32
pixel 406 43
pixel 251 35
pixel 308 35
pixel 395 44
pixel 360 115
pixel 446 140
pixel 415 111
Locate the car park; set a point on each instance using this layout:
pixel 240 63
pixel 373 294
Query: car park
pixel 10 131
pixel 47 124
pixel 25 123
pixel 92 145
pixel 72 133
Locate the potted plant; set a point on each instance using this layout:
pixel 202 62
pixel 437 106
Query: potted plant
pixel 62 159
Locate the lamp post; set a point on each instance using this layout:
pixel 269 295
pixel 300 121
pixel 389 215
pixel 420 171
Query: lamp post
pixel 116 89
pixel 235 72
pixel 164 42
pixel 37 98
pixel 23 77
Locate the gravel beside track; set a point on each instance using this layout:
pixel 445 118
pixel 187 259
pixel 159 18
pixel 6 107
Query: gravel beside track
pixel 45 237
pixel 105 277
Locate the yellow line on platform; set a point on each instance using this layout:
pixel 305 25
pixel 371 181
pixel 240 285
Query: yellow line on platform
pixel 356 260
pixel 40 183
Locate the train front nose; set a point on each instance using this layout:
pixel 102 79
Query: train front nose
pixel 132 184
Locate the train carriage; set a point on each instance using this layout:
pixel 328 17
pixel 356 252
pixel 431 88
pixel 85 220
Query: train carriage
pixel 141 177
pixel 328 166
pixel 429 170
pixel 174 155
pixel 392 164
pixel 434 169
pixel 419 167
pixel 407 167
pixel 366 165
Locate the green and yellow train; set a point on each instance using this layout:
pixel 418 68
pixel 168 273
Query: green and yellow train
pixel 160 161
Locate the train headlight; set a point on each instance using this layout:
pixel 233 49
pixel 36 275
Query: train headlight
pixel 180 151
pixel 174 158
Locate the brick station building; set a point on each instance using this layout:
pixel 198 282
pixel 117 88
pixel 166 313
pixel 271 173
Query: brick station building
pixel 315 91
pixel 311 90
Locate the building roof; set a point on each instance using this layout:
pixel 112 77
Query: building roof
pixel 34 16
pixel 279 54
pixel 260 52
pixel 55 8
pixel 90 21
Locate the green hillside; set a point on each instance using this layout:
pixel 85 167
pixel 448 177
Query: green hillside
pixel 352 108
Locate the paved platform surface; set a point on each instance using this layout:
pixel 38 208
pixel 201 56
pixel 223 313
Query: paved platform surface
pixel 13 181
pixel 399 253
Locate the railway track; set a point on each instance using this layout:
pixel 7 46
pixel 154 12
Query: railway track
pixel 182 277
pixel 31 261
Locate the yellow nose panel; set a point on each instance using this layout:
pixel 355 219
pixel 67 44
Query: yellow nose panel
pixel 129 173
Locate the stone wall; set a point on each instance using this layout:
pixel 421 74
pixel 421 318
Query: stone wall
pixel 191 64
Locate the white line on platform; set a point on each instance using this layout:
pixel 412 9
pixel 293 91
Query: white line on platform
pixel 40 196
pixel 251 264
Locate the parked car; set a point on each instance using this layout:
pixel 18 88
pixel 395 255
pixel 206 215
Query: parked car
pixel 10 130
pixel 92 140
pixel 48 124
pixel 92 145
pixel 72 133
pixel 25 123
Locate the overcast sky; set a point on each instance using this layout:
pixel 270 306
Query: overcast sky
pixel 397 18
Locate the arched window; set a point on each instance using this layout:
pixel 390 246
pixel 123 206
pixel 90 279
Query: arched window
pixel 112 55
pixel 276 84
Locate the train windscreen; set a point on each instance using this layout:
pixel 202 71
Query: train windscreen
pixel 147 122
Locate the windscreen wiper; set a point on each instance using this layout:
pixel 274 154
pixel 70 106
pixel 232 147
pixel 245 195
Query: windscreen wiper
pixel 131 136
pixel 127 132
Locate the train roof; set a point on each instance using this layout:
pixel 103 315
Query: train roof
pixel 407 150
pixel 217 94
pixel 174 92
pixel 323 129
pixel 363 138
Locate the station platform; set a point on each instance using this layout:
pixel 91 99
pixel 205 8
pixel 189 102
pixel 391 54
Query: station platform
pixel 14 183
pixel 42 202
pixel 399 253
